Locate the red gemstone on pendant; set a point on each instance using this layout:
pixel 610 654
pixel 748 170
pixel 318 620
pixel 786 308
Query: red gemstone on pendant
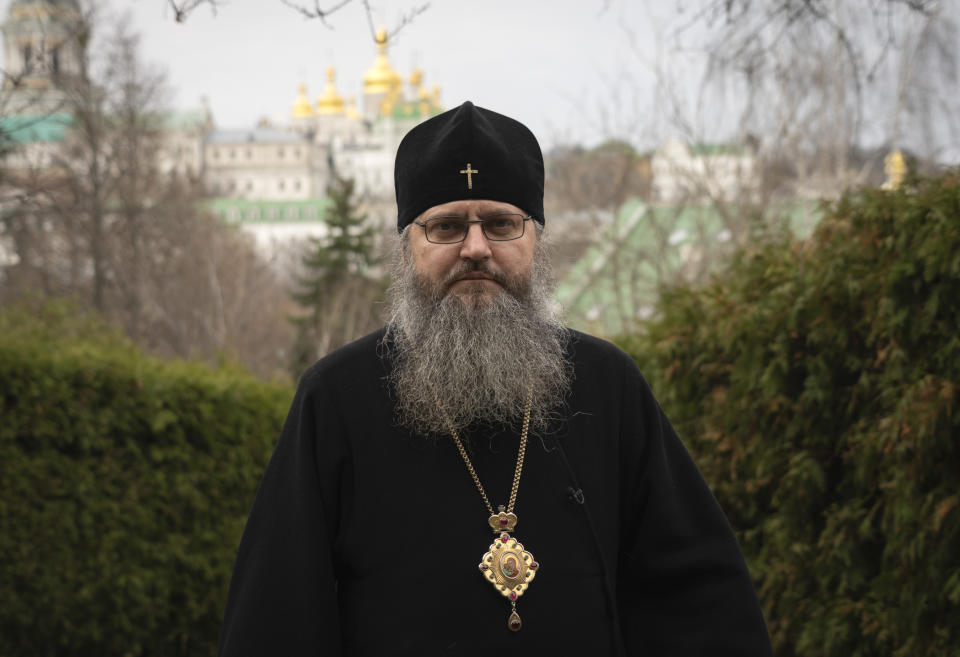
pixel 515 625
pixel 504 538
pixel 503 521
pixel 484 566
pixel 513 596
pixel 534 565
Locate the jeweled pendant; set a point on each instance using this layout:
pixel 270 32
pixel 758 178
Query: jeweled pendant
pixel 510 569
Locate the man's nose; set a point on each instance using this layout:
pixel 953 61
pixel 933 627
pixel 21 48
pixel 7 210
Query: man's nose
pixel 475 246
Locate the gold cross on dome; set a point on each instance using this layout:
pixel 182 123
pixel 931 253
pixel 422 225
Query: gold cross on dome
pixel 469 173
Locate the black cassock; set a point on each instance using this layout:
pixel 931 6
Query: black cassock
pixel 366 540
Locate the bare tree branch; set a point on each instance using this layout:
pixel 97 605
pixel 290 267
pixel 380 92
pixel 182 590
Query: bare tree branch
pixel 404 20
pixel 818 75
pixel 316 12
pixel 183 8
pixel 369 14
pixel 107 217
pixel 926 7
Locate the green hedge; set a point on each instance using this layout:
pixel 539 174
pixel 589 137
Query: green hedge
pixel 124 486
pixel 816 384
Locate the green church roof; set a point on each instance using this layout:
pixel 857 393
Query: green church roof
pixel 50 128
pixel 243 211
pixel 26 129
pixel 411 110
pixel 617 280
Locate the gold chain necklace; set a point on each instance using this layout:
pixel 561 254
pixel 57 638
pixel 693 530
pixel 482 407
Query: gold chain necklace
pixel 506 564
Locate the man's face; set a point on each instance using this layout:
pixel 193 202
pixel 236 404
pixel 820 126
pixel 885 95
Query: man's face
pixel 476 268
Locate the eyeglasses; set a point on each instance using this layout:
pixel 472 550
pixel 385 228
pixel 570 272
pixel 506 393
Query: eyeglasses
pixel 496 227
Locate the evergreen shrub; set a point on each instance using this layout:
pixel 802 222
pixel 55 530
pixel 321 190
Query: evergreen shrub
pixel 815 384
pixel 124 486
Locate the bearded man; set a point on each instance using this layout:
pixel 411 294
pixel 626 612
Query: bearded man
pixel 422 467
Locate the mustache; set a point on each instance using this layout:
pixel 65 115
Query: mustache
pixel 469 267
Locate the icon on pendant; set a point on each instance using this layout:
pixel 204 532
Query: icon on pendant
pixel 508 566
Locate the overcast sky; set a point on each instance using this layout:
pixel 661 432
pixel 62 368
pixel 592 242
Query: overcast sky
pixel 551 64
pixel 574 71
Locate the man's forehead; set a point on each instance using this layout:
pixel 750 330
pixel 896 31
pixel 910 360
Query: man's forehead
pixel 471 206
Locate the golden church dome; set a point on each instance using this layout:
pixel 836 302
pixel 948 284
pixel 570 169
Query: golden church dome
pixel 351 111
pixel 330 102
pixel 895 166
pixel 301 106
pixel 381 78
pixel 425 105
pixel 416 78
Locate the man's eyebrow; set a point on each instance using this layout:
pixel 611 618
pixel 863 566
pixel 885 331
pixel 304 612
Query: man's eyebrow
pixel 483 215
pixel 445 216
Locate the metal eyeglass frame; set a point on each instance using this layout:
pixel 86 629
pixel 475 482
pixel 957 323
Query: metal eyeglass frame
pixel 523 227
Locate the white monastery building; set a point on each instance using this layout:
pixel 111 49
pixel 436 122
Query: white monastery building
pixel 270 179
pixel 718 172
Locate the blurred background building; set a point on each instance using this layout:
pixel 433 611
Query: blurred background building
pixel 271 179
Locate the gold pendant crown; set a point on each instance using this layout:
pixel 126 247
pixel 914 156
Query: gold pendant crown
pixel 503 521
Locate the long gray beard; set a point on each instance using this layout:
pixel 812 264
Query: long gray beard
pixel 460 360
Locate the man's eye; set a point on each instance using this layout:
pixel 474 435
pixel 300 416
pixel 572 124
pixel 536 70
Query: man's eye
pixel 500 226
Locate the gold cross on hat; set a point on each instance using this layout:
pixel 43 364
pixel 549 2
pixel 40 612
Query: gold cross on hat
pixel 469 173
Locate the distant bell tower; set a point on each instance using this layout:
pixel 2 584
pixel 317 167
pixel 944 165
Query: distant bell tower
pixel 44 43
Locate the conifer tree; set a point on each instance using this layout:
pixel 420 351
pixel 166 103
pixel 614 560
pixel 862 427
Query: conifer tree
pixel 338 286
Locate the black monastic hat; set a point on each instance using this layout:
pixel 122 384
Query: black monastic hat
pixel 468 153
